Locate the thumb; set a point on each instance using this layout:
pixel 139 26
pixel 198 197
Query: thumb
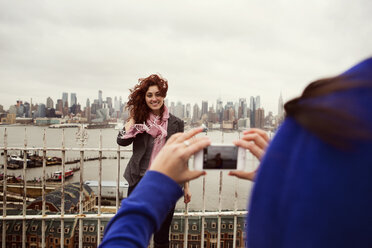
pixel 243 175
pixel 191 175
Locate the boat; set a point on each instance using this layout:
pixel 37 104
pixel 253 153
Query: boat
pixel 57 176
pixel 108 188
pixel 100 125
pixel 65 125
pixel 16 162
pixel 33 160
pixel 53 161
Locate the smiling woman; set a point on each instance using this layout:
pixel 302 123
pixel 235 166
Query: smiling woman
pixel 146 96
pixel 148 127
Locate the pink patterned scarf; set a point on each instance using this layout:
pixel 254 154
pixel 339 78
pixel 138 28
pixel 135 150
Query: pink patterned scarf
pixel 154 126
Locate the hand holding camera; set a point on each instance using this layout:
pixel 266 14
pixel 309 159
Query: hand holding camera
pixel 173 157
pixel 256 141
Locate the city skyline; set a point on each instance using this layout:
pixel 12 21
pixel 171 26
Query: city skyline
pixel 204 104
pixel 244 113
pixel 83 102
pixel 204 49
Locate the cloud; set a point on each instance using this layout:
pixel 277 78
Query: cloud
pixel 204 48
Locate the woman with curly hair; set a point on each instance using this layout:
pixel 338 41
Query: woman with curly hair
pixel 148 127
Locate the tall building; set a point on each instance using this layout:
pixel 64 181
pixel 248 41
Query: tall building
pixel 195 113
pixel 219 109
pixel 252 104
pixel 258 102
pixel 231 114
pixel 188 111
pixel 73 99
pixel 20 109
pixel 252 108
pixel 179 110
pixel 280 106
pixel 109 102
pixel 204 109
pixel 236 110
pixel 260 118
pixel 49 103
pixel 64 99
pixel 172 108
pixel 243 107
pixel 117 107
pixel 100 98
pixel 87 103
pixel 117 104
pixel 59 105
pixel 219 105
pixel 212 115
pixel 41 110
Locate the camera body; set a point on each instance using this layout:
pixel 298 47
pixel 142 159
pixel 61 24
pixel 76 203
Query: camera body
pixel 220 157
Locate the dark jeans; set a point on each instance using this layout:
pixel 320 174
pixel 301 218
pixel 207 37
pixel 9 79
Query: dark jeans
pixel 161 237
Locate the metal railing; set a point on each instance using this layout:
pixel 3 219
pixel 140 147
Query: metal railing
pixel 81 138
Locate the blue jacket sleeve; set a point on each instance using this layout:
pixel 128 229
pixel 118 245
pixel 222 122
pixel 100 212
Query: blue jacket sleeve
pixel 142 213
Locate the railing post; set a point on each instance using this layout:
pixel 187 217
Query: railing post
pixel 5 179
pixel 235 209
pixel 219 211
pixel 186 228
pixel 43 188
pixel 99 188
pixel 118 180
pixel 203 218
pixel 81 138
pixel 63 190
pixel 24 191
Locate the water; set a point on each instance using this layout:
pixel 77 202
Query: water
pixel 34 138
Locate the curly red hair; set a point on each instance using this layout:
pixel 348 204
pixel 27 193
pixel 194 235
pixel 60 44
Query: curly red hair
pixel 136 104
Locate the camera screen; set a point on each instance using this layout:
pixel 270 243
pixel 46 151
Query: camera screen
pixel 220 157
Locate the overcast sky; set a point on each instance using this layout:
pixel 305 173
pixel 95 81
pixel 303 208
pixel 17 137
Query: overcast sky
pixel 206 49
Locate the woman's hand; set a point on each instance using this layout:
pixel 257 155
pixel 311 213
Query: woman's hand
pixel 186 193
pixel 129 124
pixel 256 141
pixel 172 158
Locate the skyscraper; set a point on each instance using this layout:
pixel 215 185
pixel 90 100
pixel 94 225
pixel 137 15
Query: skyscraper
pixel 41 111
pixel 172 108
pixel 100 98
pixel 252 107
pixel 116 104
pixel 243 107
pixel 204 109
pixel 219 105
pixel 87 103
pixel 188 111
pixel 109 102
pixel 258 102
pixel 280 106
pixel 59 105
pixel 195 113
pixel 260 118
pixel 73 99
pixel 64 99
pixel 219 109
pixel 49 103
pixel 179 110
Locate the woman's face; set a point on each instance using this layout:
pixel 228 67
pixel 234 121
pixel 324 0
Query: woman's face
pixel 153 99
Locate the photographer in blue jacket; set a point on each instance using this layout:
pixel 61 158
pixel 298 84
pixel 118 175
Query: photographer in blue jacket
pixel 313 187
